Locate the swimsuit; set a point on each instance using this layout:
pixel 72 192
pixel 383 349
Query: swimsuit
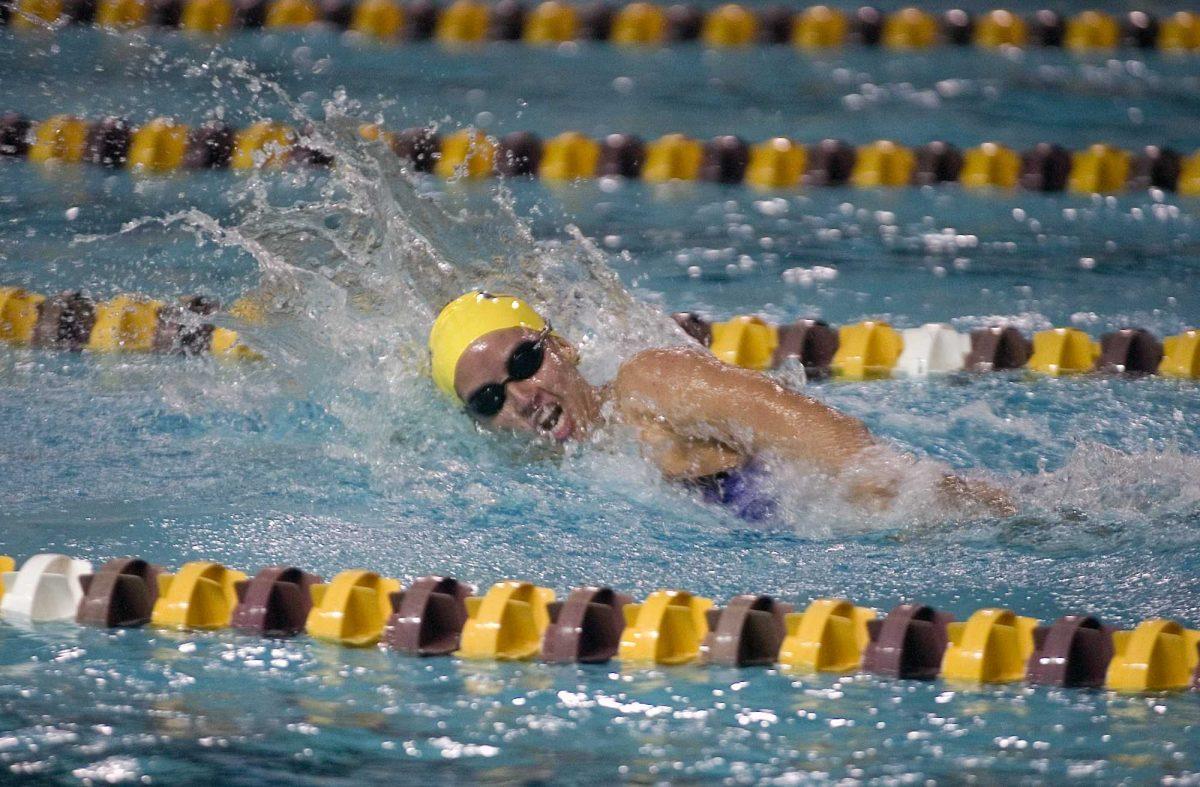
pixel 741 490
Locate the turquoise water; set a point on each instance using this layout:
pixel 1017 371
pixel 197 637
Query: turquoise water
pixel 336 452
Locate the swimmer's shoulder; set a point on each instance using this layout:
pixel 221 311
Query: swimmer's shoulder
pixel 658 382
pixel 650 370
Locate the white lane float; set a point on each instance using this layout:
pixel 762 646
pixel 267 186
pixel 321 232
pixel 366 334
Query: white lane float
pixel 934 348
pixel 45 588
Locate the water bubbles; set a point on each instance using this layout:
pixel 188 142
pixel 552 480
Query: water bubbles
pixel 807 277
pixel 777 206
pixel 623 85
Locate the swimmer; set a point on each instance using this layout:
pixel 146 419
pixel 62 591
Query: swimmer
pixel 700 421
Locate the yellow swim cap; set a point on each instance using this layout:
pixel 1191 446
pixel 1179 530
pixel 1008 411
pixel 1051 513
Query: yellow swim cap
pixel 468 318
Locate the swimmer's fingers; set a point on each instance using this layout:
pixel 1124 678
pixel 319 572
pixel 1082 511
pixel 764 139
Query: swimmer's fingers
pixel 871 494
pixel 962 491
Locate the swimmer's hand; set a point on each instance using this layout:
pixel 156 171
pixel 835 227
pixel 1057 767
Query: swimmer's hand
pixel 973 493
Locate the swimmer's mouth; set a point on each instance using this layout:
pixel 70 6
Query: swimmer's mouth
pixel 553 423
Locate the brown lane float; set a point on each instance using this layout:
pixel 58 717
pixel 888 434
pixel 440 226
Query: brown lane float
pixel 746 632
pixel 120 595
pixel 621 155
pixel 830 163
pixel 1045 167
pixel 108 142
pixel 998 348
pixel 1074 651
pixel 429 617
pixel 936 162
pixel 586 627
pixel 65 322
pixel 209 146
pixel 1133 351
pixel 518 154
pixel 725 159
pixel 811 342
pixel 180 329
pixel 275 603
pixel 908 643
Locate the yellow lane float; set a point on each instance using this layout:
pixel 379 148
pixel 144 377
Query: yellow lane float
pixel 262 144
pixel 667 628
pixel 992 165
pixel 291 13
pixel 1092 30
pixel 159 146
pixel 883 163
pixel 31 14
pixel 127 322
pixel 992 646
pixel 776 163
pixel 352 609
pixel 1179 32
pixel 467 153
pixel 382 19
pixel 7 565
pixel 116 14
pixel 672 157
pixel 1000 28
pixel 819 27
pixel 463 22
pixel 729 25
pixel 507 623
pixel 206 16
pixel 1100 169
pixel 569 156
pixel 59 138
pixel 829 636
pixel 867 350
pixel 744 341
pixel 1158 655
pixel 639 24
pixel 910 28
pixel 551 22
pixel 1060 351
pixel 201 595
pixel 19 312
pixel 1181 355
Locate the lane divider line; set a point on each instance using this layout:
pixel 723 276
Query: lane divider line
pixel 163 146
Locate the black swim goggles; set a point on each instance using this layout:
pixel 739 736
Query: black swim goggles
pixel 524 362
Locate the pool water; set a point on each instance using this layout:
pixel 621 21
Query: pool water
pixel 337 453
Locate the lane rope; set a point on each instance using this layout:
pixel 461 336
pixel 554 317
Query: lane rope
pixel 866 350
pixel 73 321
pixel 519 621
pixel 464 23
pixel 163 146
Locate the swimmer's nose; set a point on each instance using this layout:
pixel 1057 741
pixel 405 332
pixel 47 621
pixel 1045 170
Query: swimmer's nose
pixel 524 397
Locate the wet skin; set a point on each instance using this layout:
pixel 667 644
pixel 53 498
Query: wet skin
pixel 556 403
pixel 694 415
pixel 678 400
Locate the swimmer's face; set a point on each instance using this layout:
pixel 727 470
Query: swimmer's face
pixel 555 403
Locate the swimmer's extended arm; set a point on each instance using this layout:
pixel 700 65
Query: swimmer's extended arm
pixel 704 401
pixel 699 397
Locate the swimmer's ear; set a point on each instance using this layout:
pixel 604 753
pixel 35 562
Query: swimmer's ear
pixel 565 349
